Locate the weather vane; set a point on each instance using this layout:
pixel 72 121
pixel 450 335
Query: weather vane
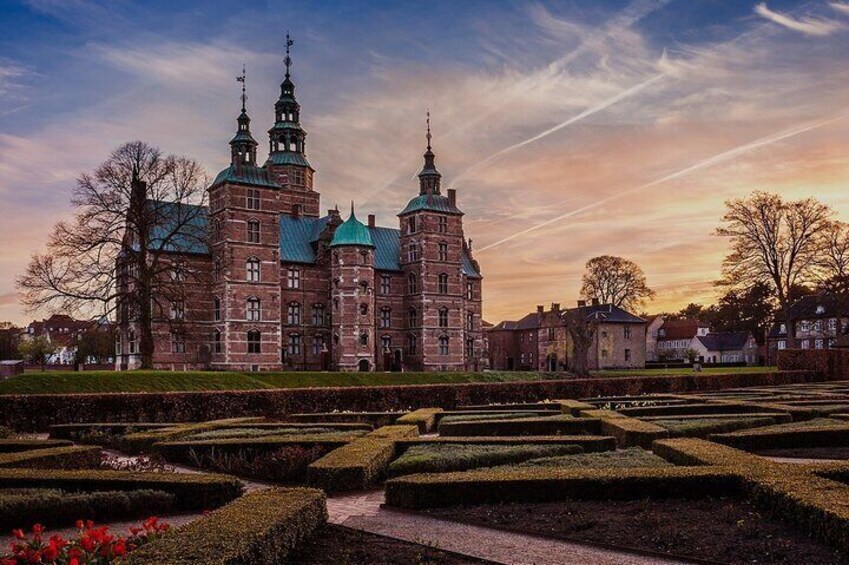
pixel 288 60
pixel 241 78
pixel 428 129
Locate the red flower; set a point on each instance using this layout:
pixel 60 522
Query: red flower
pixel 19 534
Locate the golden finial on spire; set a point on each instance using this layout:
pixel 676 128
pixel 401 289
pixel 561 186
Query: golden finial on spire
pixel 428 129
pixel 241 78
pixel 288 59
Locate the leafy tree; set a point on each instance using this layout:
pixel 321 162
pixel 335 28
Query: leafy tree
pixel 774 241
pixel 132 213
pixel 97 342
pixel 616 281
pixel 36 349
pixel 749 309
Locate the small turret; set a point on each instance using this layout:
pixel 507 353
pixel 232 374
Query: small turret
pixel 352 232
pixel 243 145
pixel 429 177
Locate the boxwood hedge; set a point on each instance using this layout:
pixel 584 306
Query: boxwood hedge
pixel 261 528
pixel 424 418
pixel 547 425
pixel 828 433
pixel 73 457
pixel 587 443
pixel 17 445
pixel 627 431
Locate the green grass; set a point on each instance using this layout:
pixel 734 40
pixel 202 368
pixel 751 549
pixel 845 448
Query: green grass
pixel 680 371
pixel 69 382
pixel 622 458
pixel 442 458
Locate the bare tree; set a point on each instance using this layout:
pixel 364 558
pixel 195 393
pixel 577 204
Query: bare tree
pixel 775 241
pixel 616 281
pixel 135 214
pixel 581 328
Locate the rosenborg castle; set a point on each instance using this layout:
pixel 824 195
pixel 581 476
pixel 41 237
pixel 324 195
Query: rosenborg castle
pixel 291 288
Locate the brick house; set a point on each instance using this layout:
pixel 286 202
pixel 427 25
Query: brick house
pixel 653 325
pixel 818 321
pixel 290 288
pixel 540 341
pixel 62 332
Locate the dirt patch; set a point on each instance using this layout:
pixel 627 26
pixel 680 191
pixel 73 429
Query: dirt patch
pixel 343 546
pixel 808 452
pixel 723 530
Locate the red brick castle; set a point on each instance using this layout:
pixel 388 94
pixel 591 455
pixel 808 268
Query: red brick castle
pixel 294 289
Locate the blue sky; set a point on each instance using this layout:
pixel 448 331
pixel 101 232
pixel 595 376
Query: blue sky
pixel 571 128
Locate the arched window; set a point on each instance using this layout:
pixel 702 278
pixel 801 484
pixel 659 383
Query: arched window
pixel 252 269
pixel 131 339
pixel 412 344
pixel 364 309
pixel 385 317
pixel 364 339
pixel 318 314
pixel 412 318
pixel 253 231
pixel 216 308
pixel 413 283
pixel 443 283
pixel 254 309
pixel 443 251
pixel 443 317
pixel 363 286
pixel 294 314
pixel 216 341
pixel 254 341
pixel 443 345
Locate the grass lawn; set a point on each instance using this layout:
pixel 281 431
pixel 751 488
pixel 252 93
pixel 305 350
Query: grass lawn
pixel 680 371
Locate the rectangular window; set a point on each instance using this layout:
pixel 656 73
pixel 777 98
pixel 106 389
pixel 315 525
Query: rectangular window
pixel 782 344
pixel 385 284
pixel 818 326
pixel 443 317
pixel 806 325
pixel 470 349
pixel 550 334
pixel 627 355
pixel 832 325
pixel 253 232
pixel 627 332
pixel 298 177
pixel 317 344
pixel 253 199
pixel 470 291
pixel 253 270
pixel 443 251
pixel 216 341
pixel 294 317
pixel 385 318
pixel 604 354
pixel 293 277
pixel 254 341
pixel 412 345
pixel 178 310
pixel 254 310
pixel 216 309
pixel 443 345
pixel 294 344
pixel 318 314
pixel 818 344
pixel 413 252
pixel 385 343
pixel 411 224
pixel 470 324
pixel 178 343
pixel 442 224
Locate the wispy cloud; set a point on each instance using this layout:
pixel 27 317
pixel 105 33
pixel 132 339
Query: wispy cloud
pixel 809 25
pixel 841 7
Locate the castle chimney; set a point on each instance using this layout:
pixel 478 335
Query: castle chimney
pixel 371 221
pixel 452 197
pixel 582 303
pixel 595 301
pixel 540 309
pixel 555 307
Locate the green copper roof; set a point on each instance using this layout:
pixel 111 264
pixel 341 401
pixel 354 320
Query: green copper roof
pixel 432 203
pixel 246 174
pixel 288 158
pixel 243 135
pixel 352 232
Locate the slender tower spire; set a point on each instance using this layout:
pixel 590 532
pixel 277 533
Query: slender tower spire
pixel 243 145
pixel 288 59
pixel 287 140
pixel 429 178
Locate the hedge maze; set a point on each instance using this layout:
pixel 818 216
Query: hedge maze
pixel 782 449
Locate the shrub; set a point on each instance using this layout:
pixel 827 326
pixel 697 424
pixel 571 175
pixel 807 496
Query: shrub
pixel 191 491
pixel 142 442
pixel 540 484
pixel 704 427
pixel 823 432
pixel 73 457
pixel 547 425
pixel 440 458
pixel 375 419
pixel 283 464
pixel 587 443
pixel 622 458
pixel 17 445
pixel 73 431
pixel 261 528
pixel 627 431
pixel 355 466
pixel 395 432
pixel 56 507
pixel 260 432
pixel 424 418
pixel 574 407
pixel 479 416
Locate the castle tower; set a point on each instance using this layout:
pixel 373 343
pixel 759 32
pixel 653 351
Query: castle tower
pixel 352 296
pixel 287 161
pixel 245 242
pixel 431 258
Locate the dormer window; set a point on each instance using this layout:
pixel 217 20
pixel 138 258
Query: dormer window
pixel 820 309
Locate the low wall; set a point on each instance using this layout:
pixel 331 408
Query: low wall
pixel 36 412
pixel 833 364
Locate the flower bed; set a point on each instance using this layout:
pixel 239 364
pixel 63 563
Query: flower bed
pixel 261 528
pixel 444 457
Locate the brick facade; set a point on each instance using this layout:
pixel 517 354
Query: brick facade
pixel 285 293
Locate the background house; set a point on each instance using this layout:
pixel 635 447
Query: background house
pixel 726 347
pixel 818 321
pixel 653 325
pixel 675 338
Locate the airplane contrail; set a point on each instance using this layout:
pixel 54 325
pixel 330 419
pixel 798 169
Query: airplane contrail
pixel 710 161
pixel 603 105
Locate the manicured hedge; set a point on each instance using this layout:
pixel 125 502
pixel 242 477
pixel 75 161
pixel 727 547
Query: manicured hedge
pixel 819 506
pixel 191 491
pixel 706 427
pixel 786 438
pixel 574 407
pixel 627 431
pixel 545 484
pixel 178 451
pixel 57 508
pixel 520 427
pixel 17 445
pixel 442 458
pixel 376 419
pixel 359 464
pixel 37 412
pixel 424 418
pixel 261 528
pixel 142 442
pixel 713 407
pixel 73 457
pixel 75 431
pixel 587 443
pixel 520 406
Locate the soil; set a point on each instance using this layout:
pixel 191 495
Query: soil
pixel 338 545
pixel 722 530
pixel 808 452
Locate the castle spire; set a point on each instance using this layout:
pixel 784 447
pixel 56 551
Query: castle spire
pixel 286 139
pixel 288 59
pixel 243 145
pixel 429 177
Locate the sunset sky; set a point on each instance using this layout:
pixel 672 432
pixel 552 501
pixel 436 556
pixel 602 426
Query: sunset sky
pixel 570 128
